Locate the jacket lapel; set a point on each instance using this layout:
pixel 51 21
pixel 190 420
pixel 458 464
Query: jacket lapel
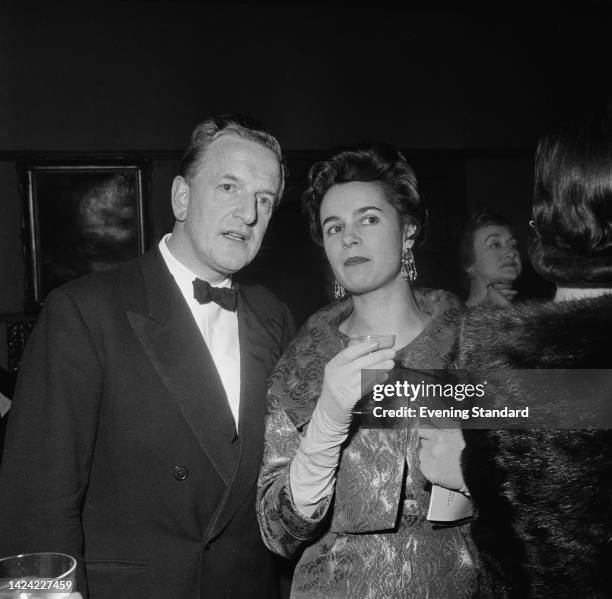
pixel 174 344
pixel 260 348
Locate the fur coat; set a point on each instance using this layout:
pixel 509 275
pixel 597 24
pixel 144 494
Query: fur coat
pixel 543 497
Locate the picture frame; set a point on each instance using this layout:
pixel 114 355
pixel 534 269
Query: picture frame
pixel 81 215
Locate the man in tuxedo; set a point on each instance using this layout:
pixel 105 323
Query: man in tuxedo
pixel 136 434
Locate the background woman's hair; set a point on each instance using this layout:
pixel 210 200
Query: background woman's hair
pixel 367 162
pixel 572 209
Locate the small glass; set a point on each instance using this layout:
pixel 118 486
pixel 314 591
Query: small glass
pixel 384 341
pixel 365 405
pixel 38 576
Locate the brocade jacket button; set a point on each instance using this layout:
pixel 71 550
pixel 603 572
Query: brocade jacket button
pixel 180 472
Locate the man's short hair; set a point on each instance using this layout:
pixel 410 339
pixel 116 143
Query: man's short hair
pixel 228 124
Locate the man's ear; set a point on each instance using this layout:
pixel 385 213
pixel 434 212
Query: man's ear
pixel 409 232
pixel 180 198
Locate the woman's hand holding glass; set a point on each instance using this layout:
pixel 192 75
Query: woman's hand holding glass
pixel 342 384
pixel 313 468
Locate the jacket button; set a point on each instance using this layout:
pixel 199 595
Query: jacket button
pixel 180 472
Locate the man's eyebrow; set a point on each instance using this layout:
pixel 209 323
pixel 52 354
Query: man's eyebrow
pixel 268 192
pixel 230 177
pixel 233 178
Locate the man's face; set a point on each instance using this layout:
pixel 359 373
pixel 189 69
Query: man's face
pixel 223 213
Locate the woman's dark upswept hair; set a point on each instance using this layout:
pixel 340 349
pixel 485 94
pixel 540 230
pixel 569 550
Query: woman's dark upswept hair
pixel 367 162
pixel 572 209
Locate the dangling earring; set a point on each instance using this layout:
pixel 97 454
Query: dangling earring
pixel 408 271
pixel 339 291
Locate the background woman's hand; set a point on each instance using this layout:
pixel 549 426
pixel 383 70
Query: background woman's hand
pixel 342 383
pixel 440 456
pixel 500 294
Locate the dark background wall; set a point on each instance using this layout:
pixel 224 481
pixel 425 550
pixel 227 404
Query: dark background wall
pixel 465 93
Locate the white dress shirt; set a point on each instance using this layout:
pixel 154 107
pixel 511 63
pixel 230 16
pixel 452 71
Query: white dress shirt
pixel 219 328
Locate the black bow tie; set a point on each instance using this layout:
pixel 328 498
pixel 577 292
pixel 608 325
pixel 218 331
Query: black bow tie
pixel 224 296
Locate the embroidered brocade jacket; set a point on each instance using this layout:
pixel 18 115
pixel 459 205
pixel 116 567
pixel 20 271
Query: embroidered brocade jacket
pixel 370 539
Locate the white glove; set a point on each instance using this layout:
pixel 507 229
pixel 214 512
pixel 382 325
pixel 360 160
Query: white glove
pixel 313 469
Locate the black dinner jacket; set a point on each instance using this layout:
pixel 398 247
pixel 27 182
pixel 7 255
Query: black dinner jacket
pixel 121 447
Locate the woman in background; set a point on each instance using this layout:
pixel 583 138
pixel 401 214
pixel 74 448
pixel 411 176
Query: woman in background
pixel 542 495
pixel 490 259
pixel 350 501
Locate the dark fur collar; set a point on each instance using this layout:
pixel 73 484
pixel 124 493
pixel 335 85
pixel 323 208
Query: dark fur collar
pixel 573 334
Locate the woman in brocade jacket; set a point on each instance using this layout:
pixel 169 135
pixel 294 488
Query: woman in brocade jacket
pixel 350 501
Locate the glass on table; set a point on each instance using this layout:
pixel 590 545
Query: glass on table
pixel 45 575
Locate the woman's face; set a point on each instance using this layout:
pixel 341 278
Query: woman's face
pixel 496 256
pixel 362 235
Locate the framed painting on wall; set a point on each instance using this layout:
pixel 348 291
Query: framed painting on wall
pixel 80 216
